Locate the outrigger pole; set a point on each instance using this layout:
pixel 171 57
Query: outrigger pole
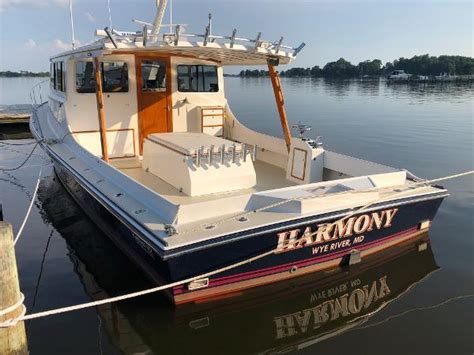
pixel 161 6
pixel 100 110
pixel 280 102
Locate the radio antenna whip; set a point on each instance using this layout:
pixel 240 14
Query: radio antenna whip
pixel 171 16
pixel 72 25
pixel 110 14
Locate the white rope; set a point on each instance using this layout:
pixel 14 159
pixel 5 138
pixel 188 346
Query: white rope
pixel 389 197
pixel 179 283
pixel 33 199
pixel 133 294
pixel 14 306
pixel 280 203
pixel 13 321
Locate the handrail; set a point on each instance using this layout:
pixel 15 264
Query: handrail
pixel 173 38
pixel 36 94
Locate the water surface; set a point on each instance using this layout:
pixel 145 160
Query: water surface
pixel 64 259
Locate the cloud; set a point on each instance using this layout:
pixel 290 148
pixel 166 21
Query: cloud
pixel 62 46
pixel 52 47
pixel 5 4
pixel 30 44
pixel 89 16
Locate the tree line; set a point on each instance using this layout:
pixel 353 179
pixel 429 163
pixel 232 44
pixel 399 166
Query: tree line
pixel 417 65
pixel 22 73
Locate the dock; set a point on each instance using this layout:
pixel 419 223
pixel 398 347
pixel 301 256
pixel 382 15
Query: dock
pixel 14 122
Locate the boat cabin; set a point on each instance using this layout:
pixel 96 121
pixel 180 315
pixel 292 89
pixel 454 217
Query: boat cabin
pixel 157 112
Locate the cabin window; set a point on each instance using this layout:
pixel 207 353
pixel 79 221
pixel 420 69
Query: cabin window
pixel 58 76
pixel 52 78
pixel 85 77
pixel 153 75
pixel 114 77
pixel 197 78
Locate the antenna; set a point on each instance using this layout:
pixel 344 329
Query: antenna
pixel 110 14
pixel 72 25
pixel 171 16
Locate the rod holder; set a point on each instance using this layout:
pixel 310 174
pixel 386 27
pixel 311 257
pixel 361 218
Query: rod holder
pixel 232 38
pixel 109 34
pixel 206 36
pixel 254 153
pixel 198 157
pixel 244 152
pixel 222 151
pixel 257 40
pixel 234 153
pixel 145 35
pixel 298 49
pixel 211 151
pixel 176 34
pixel 278 45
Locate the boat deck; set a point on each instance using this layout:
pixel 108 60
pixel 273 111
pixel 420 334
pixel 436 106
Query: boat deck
pixel 268 177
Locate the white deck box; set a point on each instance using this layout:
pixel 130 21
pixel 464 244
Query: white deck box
pixel 173 158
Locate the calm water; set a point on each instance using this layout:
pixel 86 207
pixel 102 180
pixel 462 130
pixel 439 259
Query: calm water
pixel 63 259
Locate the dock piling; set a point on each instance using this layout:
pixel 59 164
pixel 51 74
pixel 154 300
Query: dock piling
pixel 13 339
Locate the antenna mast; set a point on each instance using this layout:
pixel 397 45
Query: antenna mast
pixel 72 25
pixel 110 14
pixel 171 16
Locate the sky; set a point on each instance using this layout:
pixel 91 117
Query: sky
pixel 33 30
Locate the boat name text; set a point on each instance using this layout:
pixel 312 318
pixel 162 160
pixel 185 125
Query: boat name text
pixel 342 228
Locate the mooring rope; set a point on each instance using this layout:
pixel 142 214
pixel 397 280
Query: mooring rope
pixel 294 199
pixel 13 307
pixel 24 162
pixel 14 321
pixel 33 199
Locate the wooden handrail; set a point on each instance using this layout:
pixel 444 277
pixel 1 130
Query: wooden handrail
pixel 100 110
pixel 280 104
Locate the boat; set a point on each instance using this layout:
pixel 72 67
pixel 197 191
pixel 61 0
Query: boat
pixel 399 75
pixel 141 135
pixel 275 318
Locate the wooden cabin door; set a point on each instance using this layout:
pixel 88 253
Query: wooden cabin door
pixel 154 96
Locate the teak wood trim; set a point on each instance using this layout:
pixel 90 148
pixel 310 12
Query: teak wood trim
pixel 212 108
pixel 100 110
pixel 213 125
pixel 304 165
pixel 139 57
pixel 115 130
pixel 280 104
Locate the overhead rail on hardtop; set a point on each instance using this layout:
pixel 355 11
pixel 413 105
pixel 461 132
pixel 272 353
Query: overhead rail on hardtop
pixel 227 49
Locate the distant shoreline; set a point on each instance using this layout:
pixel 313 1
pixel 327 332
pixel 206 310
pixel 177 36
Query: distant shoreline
pixel 460 79
pixel 23 74
pixel 417 66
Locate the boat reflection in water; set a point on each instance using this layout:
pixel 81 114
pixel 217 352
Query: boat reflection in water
pixel 278 317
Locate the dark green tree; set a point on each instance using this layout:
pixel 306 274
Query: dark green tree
pixel 340 69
